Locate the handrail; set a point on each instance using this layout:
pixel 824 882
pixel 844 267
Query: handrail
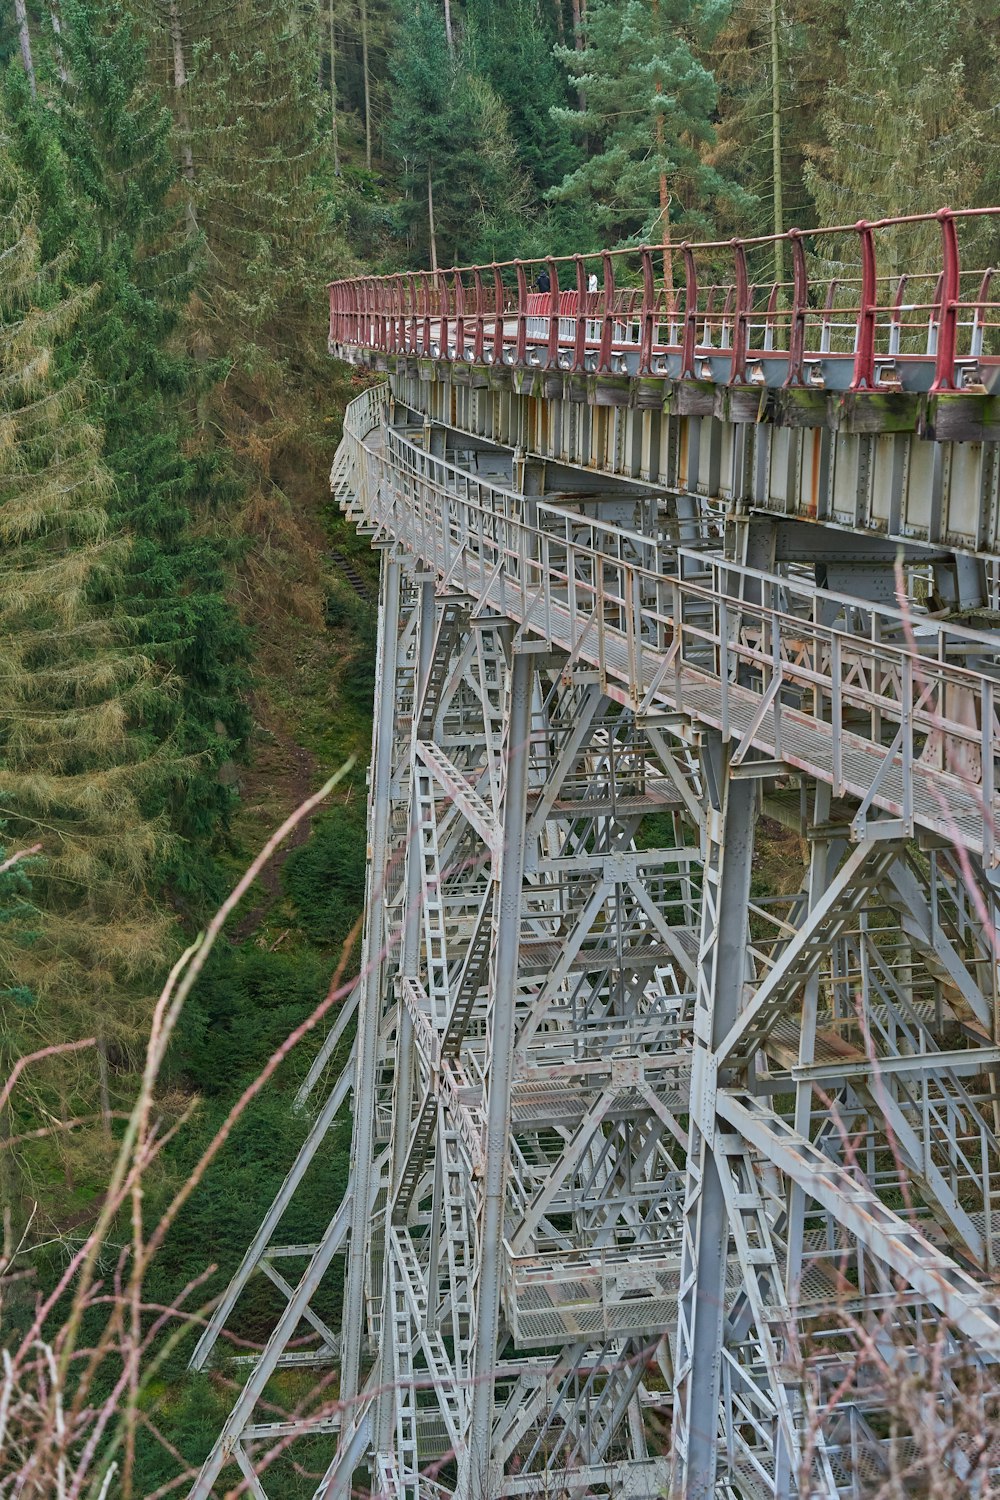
pixel 898 706
pixel 842 312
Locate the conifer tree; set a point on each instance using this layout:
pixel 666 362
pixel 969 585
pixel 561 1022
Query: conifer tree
pixel 649 102
pixel 266 202
pixel 101 154
pixel 77 768
pixel 449 131
pixel 901 137
pixel 510 46
pixel 809 58
pixel 260 145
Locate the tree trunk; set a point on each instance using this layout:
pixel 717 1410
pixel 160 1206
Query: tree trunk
pixel 581 97
pixel 22 26
pixel 430 219
pixel 560 23
pixel 57 44
pixel 779 216
pixel 183 119
pixel 333 94
pixel 447 26
pixel 668 264
pixel 363 9
pixel 668 260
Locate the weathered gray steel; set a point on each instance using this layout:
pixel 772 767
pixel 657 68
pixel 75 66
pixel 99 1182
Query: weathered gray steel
pixel 658 1149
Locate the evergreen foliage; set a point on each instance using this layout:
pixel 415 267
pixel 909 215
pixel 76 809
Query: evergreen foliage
pixel 901 134
pixel 103 157
pixel 79 767
pixel 647 115
pixel 326 876
pixel 809 55
pixel 167 419
pixel 512 48
pixel 451 131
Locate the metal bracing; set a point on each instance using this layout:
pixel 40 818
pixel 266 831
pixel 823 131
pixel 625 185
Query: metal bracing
pixel 395 673
pixel 722 965
pixel 671 1171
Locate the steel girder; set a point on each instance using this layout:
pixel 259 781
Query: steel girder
pixel 661 1182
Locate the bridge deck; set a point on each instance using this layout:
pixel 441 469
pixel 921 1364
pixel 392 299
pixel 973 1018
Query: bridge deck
pixel 895 717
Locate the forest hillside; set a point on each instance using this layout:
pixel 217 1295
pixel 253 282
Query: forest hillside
pixel 187 624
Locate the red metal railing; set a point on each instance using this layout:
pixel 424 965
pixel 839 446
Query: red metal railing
pixel 850 311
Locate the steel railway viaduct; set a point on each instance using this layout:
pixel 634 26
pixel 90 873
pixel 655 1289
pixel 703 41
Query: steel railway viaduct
pixel 666 1181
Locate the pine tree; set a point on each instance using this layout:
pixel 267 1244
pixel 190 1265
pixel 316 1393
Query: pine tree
pixel 510 46
pixel 77 767
pixel 450 133
pixel 901 136
pixel 266 202
pixel 103 162
pixel 753 85
pixel 260 146
pixel 647 117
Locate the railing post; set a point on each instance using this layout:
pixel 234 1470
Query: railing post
pixel 499 298
pixel 344 304
pixel 367 318
pixel 580 339
pixel 443 308
pixel 395 314
pixel 403 291
pixel 459 317
pixel 552 348
pixel 411 342
pixel 864 349
pixel 521 347
pixel 358 310
pixel 800 306
pixel 478 337
pixel 688 371
pixel 382 305
pixel 723 642
pixel 425 287
pixel 950 291
pixel 987 773
pixel 978 315
pixel 836 715
pixel 741 317
pixel 648 312
pixel 906 730
pixel 607 324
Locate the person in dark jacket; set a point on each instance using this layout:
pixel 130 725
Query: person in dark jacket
pixel 542 281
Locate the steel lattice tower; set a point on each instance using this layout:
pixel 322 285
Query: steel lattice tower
pixel 662 1183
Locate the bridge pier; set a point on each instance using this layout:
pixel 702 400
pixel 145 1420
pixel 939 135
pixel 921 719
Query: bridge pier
pixel 668 1177
pixel 721 974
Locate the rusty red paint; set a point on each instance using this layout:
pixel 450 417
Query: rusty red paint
pixel 738 365
pixel 949 292
pixel 420 312
pixel 800 306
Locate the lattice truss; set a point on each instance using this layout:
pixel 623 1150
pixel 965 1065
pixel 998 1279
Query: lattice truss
pixel 659 1185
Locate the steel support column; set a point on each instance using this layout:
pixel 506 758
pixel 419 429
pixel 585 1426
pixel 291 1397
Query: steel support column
pixel 722 963
pixel 480 1481
pixel 372 959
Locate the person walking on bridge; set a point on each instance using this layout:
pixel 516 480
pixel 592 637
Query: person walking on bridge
pixel 542 281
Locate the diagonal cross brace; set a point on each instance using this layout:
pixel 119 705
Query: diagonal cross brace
pixel 843 898
pixel 972 1308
